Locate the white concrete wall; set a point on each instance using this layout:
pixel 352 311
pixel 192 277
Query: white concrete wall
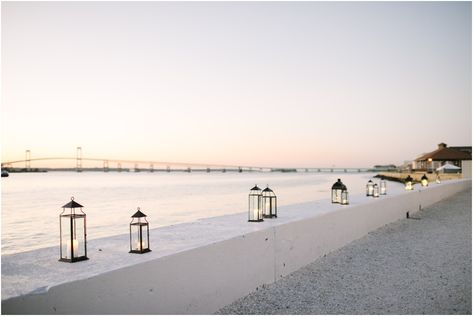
pixel 466 169
pixel 202 280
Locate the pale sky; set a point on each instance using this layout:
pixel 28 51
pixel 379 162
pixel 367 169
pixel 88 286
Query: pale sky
pixel 308 84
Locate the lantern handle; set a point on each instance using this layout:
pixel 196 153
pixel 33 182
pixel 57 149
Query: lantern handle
pixel 72 198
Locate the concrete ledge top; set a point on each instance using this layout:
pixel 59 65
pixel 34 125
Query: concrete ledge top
pixel 38 270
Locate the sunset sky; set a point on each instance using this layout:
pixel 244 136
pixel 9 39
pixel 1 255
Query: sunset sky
pixel 245 83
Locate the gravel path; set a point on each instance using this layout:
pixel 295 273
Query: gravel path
pixel 407 267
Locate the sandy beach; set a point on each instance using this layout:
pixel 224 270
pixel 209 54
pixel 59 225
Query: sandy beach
pixel 412 266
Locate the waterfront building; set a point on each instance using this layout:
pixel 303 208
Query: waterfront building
pixel 458 156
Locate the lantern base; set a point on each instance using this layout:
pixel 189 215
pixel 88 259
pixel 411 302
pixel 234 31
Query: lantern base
pixel 270 216
pixel 255 220
pixel 74 259
pixel 140 251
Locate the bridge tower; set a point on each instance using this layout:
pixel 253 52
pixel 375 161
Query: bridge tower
pixel 119 167
pixel 79 159
pixel 28 159
pixel 105 165
pixel 151 167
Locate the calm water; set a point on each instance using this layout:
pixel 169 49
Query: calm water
pixel 32 202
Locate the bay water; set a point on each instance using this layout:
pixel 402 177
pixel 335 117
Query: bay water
pixel 31 202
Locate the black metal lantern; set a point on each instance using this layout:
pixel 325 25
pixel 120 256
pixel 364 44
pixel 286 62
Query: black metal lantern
pixel 424 181
pixel 255 211
pixel 375 191
pixel 73 234
pixel 269 202
pixel 344 195
pixel 382 186
pixel 369 188
pixel 408 183
pixel 139 233
pixel 337 188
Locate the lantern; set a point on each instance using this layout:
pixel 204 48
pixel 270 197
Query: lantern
pixel 139 233
pixel 337 188
pixel 408 183
pixel 424 181
pixel 344 196
pixel 382 186
pixel 72 232
pixel 255 212
pixel 369 188
pixel 375 190
pixel 269 203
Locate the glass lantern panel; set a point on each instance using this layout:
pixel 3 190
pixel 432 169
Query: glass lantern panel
pixel 139 237
pixel 376 191
pixel 79 236
pixel 266 206
pixel 65 222
pixel 274 206
pixel 72 237
pixel 269 206
pixel 254 208
pixel 344 197
pixel 382 187
pixel 336 196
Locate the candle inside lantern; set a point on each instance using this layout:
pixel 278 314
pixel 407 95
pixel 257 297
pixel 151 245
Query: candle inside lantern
pixel 256 214
pixel 75 247
pixel 137 245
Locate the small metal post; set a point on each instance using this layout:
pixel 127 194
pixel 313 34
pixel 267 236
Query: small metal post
pixel 28 159
pixel 79 159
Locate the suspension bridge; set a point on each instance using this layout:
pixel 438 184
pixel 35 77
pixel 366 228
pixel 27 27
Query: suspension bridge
pixel 119 165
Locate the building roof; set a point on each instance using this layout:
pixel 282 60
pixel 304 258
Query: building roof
pixel 445 153
pixel 462 148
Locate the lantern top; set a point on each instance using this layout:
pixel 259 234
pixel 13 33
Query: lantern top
pixel 255 188
pixel 382 177
pixel 338 185
pixel 267 189
pixel 72 204
pixel 344 187
pixel 370 181
pixel 138 214
pixel 424 177
pixel 409 178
